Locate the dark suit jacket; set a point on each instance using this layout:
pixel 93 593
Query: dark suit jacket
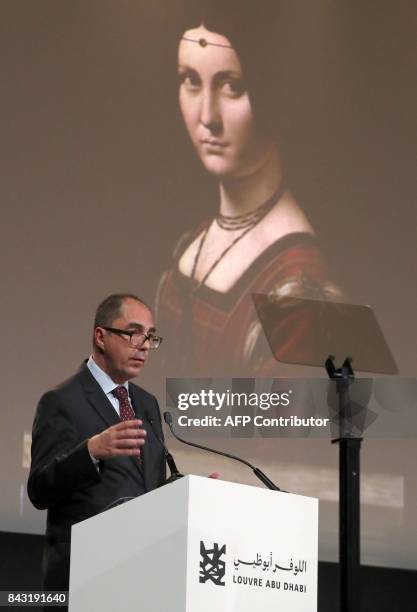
pixel 63 477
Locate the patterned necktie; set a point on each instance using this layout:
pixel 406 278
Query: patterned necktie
pixel 126 410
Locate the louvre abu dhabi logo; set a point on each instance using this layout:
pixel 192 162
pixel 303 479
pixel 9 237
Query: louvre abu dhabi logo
pixel 212 565
pixel 260 571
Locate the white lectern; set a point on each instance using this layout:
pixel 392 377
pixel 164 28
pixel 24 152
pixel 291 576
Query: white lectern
pixel 198 545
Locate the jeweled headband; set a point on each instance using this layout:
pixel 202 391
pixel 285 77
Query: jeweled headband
pixel 203 42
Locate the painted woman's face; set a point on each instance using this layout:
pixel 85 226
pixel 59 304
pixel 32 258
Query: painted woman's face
pixel 215 105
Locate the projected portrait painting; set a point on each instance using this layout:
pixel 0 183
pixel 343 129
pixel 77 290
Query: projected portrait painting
pixel 260 239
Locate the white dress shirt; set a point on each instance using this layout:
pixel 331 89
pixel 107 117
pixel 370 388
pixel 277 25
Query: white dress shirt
pixel 106 383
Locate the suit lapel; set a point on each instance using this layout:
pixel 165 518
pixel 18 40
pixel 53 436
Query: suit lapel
pixel 97 398
pixel 101 404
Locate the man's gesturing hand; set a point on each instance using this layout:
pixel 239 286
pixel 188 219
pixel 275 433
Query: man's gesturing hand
pixel 125 438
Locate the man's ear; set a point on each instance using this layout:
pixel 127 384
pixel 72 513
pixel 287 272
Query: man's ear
pixel 99 338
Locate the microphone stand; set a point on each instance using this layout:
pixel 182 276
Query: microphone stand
pixel 175 474
pixel 258 473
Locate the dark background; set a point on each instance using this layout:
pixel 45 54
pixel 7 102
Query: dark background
pixel 99 181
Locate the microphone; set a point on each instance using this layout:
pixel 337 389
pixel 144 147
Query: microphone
pixel 175 474
pixel 258 473
pixel 117 502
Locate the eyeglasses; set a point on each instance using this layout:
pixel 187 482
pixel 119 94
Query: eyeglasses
pixel 137 338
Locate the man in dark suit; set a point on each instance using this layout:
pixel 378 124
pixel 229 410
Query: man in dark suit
pixel 94 437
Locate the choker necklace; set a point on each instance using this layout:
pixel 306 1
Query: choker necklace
pixel 255 217
pixel 251 218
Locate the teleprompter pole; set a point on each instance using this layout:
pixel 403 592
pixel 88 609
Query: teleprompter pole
pixel 349 491
pixel 349 524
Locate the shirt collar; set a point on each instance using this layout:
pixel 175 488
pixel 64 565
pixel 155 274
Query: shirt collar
pixel 103 379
